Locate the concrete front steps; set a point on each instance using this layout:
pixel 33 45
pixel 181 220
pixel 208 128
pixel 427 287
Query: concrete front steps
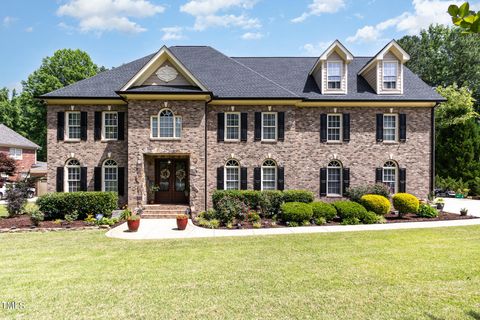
pixel 163 211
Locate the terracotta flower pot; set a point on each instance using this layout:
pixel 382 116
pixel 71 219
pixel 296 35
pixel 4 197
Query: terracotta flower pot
pixel 133 225
pixel 182 223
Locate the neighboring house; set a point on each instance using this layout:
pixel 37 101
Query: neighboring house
pixel 190 120
pixel 19 148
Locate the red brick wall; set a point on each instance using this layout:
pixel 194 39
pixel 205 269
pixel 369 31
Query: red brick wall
pixel 24 165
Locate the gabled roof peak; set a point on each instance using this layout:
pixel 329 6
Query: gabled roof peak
pixel 337 47
pixel 393 47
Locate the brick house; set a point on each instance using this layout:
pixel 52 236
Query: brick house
pixel 176 125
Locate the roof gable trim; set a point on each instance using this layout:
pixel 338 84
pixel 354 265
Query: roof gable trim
pixel 337 47
pixel 393 47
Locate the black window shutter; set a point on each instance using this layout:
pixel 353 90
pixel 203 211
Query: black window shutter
pixel 121 126
pixel 403 127
pixel 258 126
pixel 97 179
pixel 97 132
pixel 60 126
pixel 83 126
pixel 60 171
pixel 243 124
pixel 378 175
pixel 257 178
pixel 280 178
pixel 121 181
pixel 323 182
pixel 220 126
pixel 379 127
pixel 243 178
pixel 346 127
pixel 220 182
pixel 402 180
pixel 323 127
pixel 346 180
pixel 83 179
pixel 281 126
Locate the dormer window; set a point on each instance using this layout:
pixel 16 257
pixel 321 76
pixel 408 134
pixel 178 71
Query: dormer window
pixel 334 75
pixel 390 71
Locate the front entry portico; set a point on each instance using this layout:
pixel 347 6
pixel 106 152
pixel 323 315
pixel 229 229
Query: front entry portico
pixel 171 181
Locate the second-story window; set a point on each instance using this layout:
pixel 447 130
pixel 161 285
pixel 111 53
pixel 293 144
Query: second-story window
pixel 73 126
pixel 389 127
pixel 110 125
pixel 166 125
pixel 232 126
pixel 334 75
pixel 390 70
pixel 269 126
pixel 334 127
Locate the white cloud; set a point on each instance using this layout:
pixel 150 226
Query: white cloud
pixel 425 12
pixel 359 16
pixel 29 29
pixel 252 36
pixel 172 33
pixel 206 13
pixel 109 15
pixel 7 21
pixel 318 7
pixel 316 49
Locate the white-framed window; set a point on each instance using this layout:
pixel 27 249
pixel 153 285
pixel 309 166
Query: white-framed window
pixel 269 126
pixel 15 153
pixel 232 175
pixel 110 125
pixel 334 178
pixel 334 127
pixel 73 125
pixel 390 127
pixel 389 175
pixel 73 175
pixel 166 125
pixel 390 72
pixel 232 126
pixel 269 175
pixel 334 75
pixel 110 175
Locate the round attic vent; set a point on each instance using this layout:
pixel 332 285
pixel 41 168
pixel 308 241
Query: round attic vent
pixel 167 73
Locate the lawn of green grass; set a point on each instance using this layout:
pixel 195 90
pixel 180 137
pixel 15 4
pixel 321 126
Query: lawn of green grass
pixel 3 211
pixel 404 274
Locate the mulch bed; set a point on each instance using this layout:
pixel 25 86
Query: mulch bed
pixel 24 222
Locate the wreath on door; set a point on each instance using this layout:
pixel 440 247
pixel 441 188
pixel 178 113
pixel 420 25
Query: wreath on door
pixel 181 174
pixel 165 174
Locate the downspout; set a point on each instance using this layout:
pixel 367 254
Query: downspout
pixel 206 149
pixel 432 149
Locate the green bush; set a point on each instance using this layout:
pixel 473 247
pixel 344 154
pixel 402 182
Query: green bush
pixel 230 207
pixel 209 214
pixel 59 204
pixel 356 193
pixel 405 203
pixel 295 212
pixel 36 216
pixel 211 224
pixel 371 218
pixel 376 203
pixel 323 210
pixel 298 196
pixel 347 210
pixel 252 216
pixel 427 212
pixel 270 202
pixel 350 220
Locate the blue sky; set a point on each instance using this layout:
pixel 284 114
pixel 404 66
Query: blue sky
pixel 118 31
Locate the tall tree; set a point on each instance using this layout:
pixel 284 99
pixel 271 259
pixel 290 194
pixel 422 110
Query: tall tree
pixel 65 67
pixel 10 113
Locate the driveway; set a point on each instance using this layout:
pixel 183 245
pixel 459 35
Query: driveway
pixel 454 205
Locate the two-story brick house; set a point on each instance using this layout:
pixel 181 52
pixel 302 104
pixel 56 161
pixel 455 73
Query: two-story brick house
pixel 176 125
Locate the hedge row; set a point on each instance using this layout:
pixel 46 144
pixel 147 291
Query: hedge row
pixel 57 205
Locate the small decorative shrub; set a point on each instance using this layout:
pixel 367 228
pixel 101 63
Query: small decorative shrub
pixel 319 221
pixel 269 202
pixel 106 221
pixel 209 214
pixel 296 212
pixel 371 218
pixel 252 216
pixel 230 207
pixel 463 211
pixel 29 208
pixel 257 225
pixel 16 199
pixel 323 210
pixel 70 217
pixel 405 203
pixel 347 210
pixel 376 203
pixel 298 196
pixel 36 216
pixel 427 211
pixel 211 224
pixel 58 204
pixel 356 193
pixel 350 220
pixel 90 219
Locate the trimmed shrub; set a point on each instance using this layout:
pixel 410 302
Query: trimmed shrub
pixel 347 210
pixel 427 211
pixel 371 218
pixel 376 203
pixel 59 204
pixel 230 207
pixel 350 220
pixel 405 203
pixel 295 212
pixel 36 216
pixel 323 210
pixel 356 193
pixel 298 196
pixel 270 202
pixel 253 216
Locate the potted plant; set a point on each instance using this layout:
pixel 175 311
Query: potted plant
pixel 463 211
pixel 440 203
pixel 153 188
pixel 182 221
pixel 133 219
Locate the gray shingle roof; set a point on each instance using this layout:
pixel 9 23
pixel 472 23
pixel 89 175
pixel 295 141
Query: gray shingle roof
pixel 8 137
pixel 246 77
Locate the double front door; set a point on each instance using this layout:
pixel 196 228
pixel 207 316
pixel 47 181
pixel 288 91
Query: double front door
pixel 171 179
